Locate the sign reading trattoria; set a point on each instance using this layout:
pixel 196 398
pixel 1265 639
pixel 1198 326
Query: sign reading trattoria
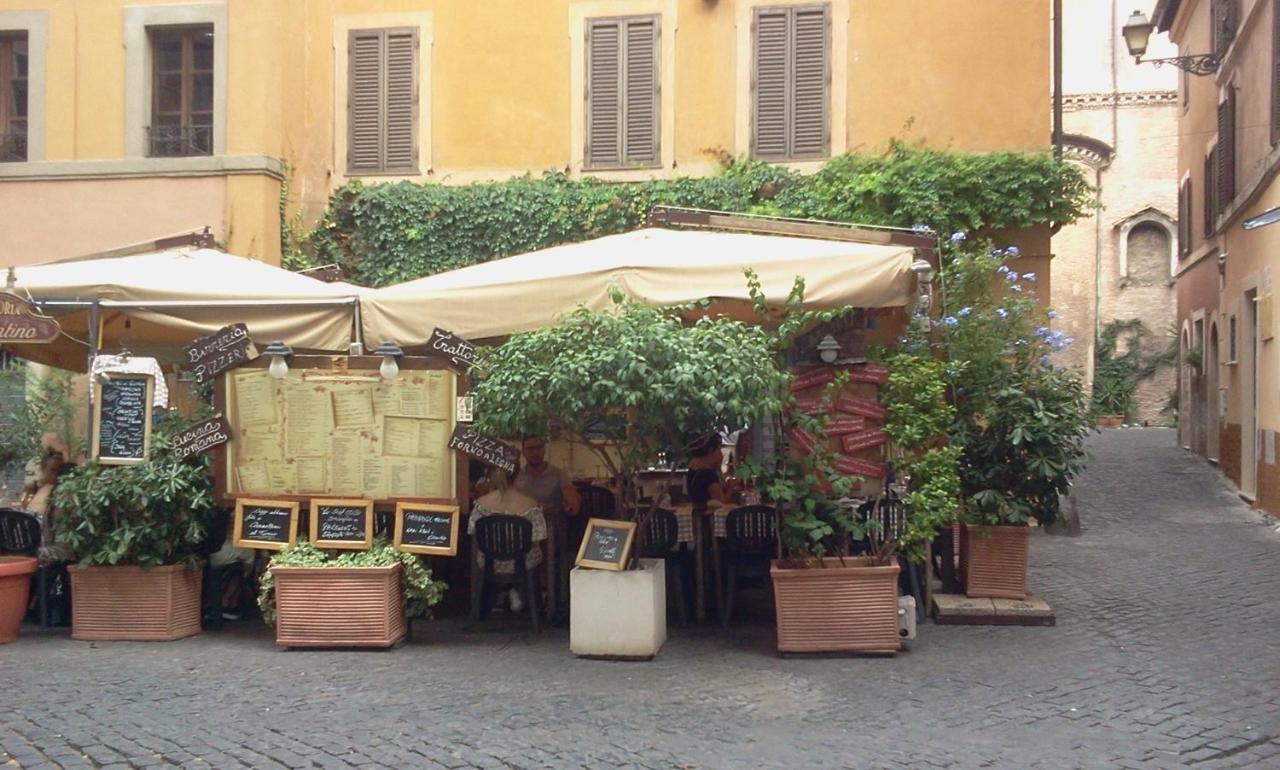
pixel 453 347
pixel 201 437
pixel 215 353
pixel 19 322
pixel 483 448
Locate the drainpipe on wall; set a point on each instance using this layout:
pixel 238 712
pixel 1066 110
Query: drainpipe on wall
pixel 1057 79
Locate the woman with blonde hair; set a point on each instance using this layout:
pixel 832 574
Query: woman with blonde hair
pixel 506 500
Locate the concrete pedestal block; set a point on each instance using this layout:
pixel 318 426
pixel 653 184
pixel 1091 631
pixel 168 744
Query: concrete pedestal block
pixel 618 615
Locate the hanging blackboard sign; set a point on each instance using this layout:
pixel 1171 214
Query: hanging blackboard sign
pixel 342 524
pixel 483 448
pixel 453 347
pixel 122 418
pixel 215 353
pixel 267 524
pixel 202 437
pixel 606 545
pixel 427 528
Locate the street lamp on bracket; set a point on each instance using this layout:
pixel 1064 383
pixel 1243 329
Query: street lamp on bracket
pixel 1137 32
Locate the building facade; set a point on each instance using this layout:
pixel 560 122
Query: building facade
pixel 1228 157
pixel 129 120
pixel 1116 265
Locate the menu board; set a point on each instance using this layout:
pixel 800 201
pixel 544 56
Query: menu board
pixel 342 524
pixel 606 544
pixel 426 528
pixel 344 434
pixel 267 524
pixel 122 418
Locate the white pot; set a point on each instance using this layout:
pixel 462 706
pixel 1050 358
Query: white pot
pixel 618 615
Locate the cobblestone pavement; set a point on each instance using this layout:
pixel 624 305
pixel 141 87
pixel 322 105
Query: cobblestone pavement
pixel 1165 655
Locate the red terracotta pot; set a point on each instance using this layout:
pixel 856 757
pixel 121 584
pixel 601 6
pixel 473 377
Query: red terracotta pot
pixel 993 561
pixel 134 604
pixel 339 606
pixel 848 605
pixel 15 589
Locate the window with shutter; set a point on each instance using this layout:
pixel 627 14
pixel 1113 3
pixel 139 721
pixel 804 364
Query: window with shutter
pixel 790 83
pixel 1210 207
pixel 13 96
pixel 1184 217
pixel 622 92
pixel 382 101
pixel 1225 15
pixel 1226 151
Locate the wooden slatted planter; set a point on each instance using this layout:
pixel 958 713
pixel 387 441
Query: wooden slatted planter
pixel 339 606
pixel 159 604
pixel 993 561
pixel 849 607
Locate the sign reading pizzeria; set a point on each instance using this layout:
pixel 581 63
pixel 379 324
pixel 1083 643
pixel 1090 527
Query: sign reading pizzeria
pixel 19 322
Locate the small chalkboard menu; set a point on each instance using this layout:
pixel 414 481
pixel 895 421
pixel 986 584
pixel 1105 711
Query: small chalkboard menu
pixel 607 544
pixel 342 524
pixel 267 524
pixel 427 528
pixel 122 418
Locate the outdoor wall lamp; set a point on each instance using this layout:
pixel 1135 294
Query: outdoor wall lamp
pixel 278 351
pixel 1137 33
pixel 828 349
pixel 390 352
pixel 924 287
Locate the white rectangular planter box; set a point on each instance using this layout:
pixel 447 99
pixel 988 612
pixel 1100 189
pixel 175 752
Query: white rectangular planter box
pixel 618 615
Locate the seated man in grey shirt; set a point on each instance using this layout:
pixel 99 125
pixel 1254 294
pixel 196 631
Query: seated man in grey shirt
pixel 550 486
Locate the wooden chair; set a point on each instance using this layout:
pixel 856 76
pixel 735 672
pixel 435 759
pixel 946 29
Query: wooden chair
pixel 751 542
pixel 504 538
pixel 658 541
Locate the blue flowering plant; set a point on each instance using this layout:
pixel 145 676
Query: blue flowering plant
pixel 1020 420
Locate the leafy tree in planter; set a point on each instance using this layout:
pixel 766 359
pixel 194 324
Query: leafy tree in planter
pixel 629 382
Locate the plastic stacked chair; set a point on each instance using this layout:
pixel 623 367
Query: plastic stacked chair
pixel 658 541
pixel 751 542
pixel 504 538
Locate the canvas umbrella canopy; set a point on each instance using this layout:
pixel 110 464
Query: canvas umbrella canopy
pixel 656 266
pixel 154 304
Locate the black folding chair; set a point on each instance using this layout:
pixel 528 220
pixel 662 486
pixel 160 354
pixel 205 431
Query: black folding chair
pixel 751 542
pixel 658 541
pixel 504 538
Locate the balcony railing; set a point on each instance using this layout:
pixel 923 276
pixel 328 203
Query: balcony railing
pixel 180 141
pixel 13 148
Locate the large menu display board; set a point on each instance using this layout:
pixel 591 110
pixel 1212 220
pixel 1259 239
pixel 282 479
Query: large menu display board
pixel 341 433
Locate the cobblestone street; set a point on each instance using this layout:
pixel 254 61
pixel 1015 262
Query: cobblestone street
pixel 1164 655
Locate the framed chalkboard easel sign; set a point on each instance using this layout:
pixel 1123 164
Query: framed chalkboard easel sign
pixel 342 524
pixel 427 528
pixel 122 418
pixel 267 524
pixel 607 544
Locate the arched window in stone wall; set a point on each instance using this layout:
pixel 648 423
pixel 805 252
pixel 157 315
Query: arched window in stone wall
pixel 1148 248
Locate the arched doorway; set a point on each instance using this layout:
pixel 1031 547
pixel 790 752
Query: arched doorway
pixel 1212 370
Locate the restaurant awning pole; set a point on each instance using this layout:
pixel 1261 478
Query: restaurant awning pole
pixel 94 312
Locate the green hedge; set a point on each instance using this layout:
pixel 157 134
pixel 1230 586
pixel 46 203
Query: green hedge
pixel 389 233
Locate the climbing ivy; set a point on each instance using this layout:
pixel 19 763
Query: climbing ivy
pixel 383 234
pixel 1116 375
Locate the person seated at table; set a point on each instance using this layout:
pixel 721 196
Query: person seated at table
pixel 507 499
pixel 706 488
pixel 550 486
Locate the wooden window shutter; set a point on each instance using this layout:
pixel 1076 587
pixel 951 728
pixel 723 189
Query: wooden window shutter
pixel 1210 191
pixel 791 83
pixel 810 83
pixel 604 93
pixel 640 120
pixel 1225 18
pixel 771 84
pixel 1226 150
pixel 1184 218
pixel 382 101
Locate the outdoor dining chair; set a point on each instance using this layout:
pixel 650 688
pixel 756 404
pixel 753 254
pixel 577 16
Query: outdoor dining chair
pixel 20 535
pixel 890 520
pixel 504 538
pixel 657 540
pixel 751 542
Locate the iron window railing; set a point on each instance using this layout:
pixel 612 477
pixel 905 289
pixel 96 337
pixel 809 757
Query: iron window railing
pixel 180 141
pixel 13 148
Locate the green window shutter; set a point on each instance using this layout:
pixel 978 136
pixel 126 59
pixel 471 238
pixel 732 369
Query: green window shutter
pixel 640 80
pixel 1184 218
pixel 604 93
pixel 1210 191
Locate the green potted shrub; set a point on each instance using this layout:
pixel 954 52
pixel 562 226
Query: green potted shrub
pixel 1020 420
pixel 135 531
pixel 629 382
pixel 328 598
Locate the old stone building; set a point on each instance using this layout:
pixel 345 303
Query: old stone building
pixel 1120 123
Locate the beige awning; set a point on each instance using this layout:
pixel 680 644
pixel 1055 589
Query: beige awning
pixel 659 267
pixel 154 304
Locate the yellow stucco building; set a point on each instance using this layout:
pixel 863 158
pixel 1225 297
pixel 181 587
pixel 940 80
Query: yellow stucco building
pixel 128 121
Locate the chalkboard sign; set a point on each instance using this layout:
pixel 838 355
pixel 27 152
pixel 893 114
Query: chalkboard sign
pixel 427 528
pixel 201 437
pixel 483 448
pixel 267 524
pixel 215 353
pixel 122 418
pixel 342 524
pixel 607 544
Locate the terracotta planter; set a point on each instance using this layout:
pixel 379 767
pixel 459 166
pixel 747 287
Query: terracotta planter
pixel 159 604
pixel 15 589
pixel 837 608
pixel 1109 420
pixel 993 561
pixel 339 606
